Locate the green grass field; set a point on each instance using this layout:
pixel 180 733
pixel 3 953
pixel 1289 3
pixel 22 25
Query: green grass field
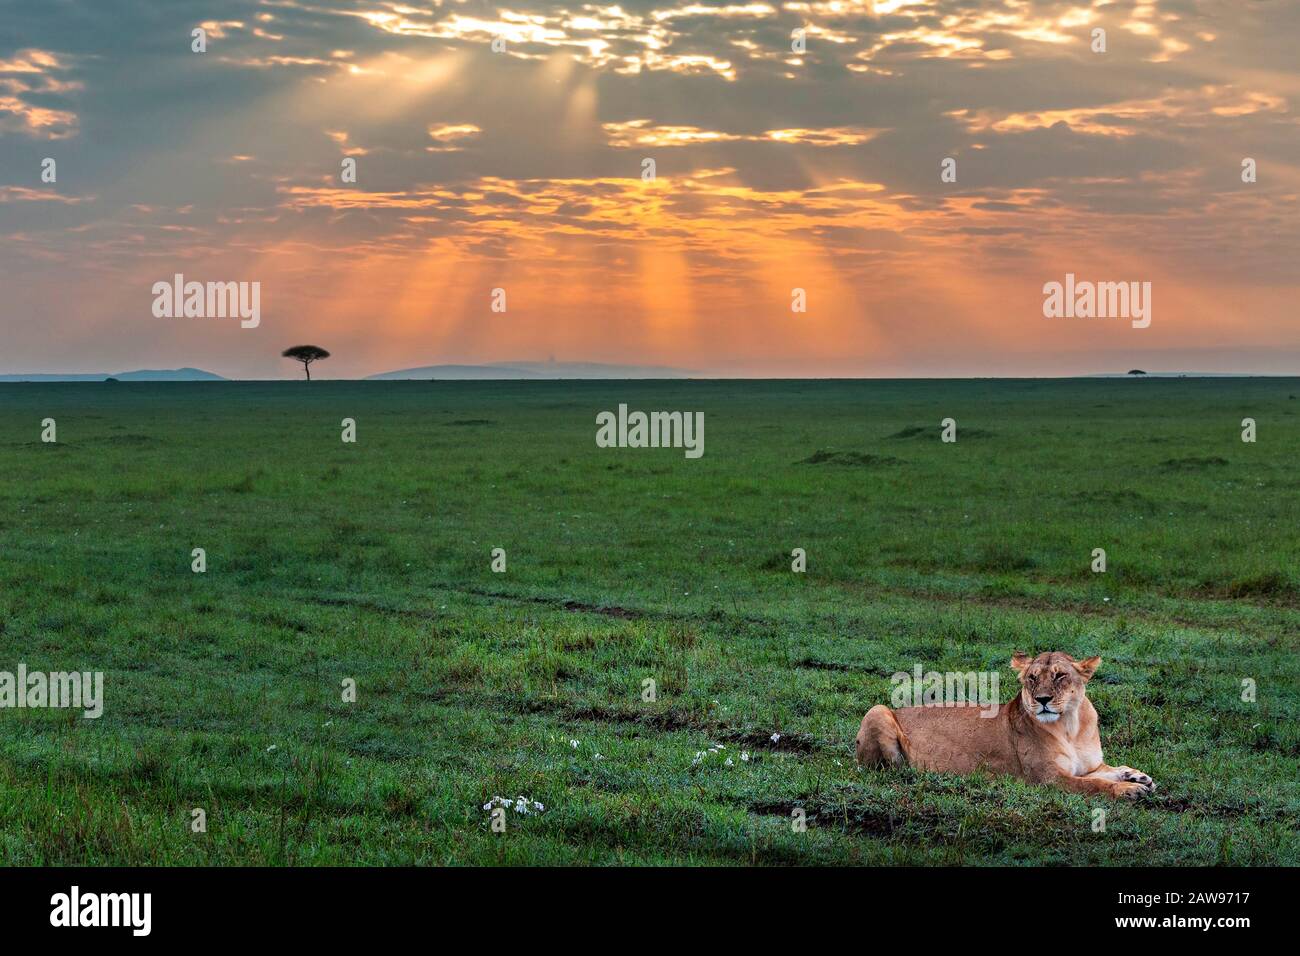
pixel 370 561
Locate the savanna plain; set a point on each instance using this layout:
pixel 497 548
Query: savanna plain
pixel 329 562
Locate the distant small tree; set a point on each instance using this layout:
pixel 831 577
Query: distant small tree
pixel 1136 371
pixel 306 354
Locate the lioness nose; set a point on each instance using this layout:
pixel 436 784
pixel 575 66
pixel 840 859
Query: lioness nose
pixel 1043 700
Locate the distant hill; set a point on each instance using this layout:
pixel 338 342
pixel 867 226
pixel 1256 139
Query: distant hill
pixel 140 375
pixel 453 372
pixel 533 370
pixel 1137 371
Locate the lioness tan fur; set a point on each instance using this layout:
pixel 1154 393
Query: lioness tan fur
pixel 1047 733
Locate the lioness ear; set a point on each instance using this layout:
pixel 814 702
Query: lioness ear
pixel 1019 661
pixel 1087 668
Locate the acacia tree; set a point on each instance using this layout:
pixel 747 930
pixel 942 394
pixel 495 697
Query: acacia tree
pixel 306 354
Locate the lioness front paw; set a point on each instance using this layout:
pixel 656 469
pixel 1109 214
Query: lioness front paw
pixel 1129 791
pixel 1129 775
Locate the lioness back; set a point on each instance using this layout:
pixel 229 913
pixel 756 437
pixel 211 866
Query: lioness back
pixel 1047 733
pixel 958 739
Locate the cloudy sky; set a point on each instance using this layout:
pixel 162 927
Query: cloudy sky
pixel 522 169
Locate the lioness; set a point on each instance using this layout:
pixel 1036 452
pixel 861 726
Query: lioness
pixel 1047 733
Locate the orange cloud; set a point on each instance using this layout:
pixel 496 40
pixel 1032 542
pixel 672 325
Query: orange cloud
pixel 640 132
pixel 29 74
pixel 449 137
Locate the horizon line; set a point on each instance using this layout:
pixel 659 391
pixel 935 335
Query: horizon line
pixel 90 378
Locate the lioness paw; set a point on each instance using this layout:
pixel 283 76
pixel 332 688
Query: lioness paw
pixel 1129 775
pixel 1130 791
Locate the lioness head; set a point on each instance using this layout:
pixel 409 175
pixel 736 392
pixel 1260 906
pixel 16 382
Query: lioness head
pixel 1052 684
